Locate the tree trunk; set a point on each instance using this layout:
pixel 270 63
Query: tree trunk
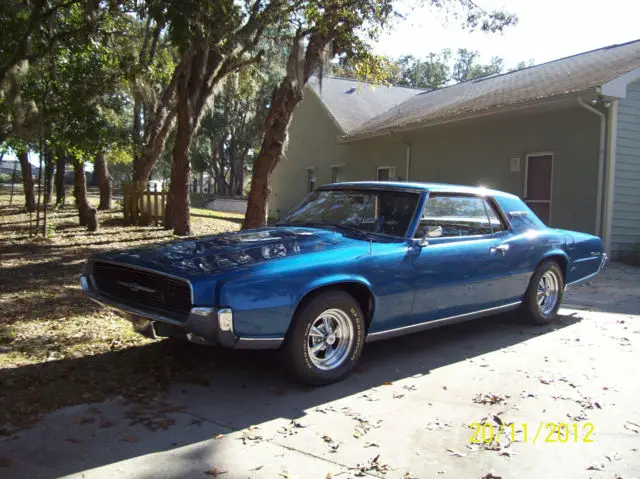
pixel 80 192
pixel 104 181
pixel 178 213
pixel 283 103
pixel 153 149
pixel 61 162
pixel 27 181
pixel 285 98
pixel 48 177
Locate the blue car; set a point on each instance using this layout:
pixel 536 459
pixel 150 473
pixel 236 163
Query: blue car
pixel 353 263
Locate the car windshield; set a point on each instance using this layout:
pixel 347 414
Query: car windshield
pixel 370 211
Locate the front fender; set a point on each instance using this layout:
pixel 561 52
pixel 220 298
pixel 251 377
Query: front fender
pixel 334 280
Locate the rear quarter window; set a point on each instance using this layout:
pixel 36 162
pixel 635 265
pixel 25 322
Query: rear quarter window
pixel 522 219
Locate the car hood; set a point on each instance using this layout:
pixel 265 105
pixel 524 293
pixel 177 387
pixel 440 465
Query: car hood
pixel 214 254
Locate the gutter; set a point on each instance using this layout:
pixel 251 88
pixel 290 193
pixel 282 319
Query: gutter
pixel 408 158
pixel 611 174
pixel 601 155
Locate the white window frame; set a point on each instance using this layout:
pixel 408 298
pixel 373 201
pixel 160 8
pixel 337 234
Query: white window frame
pixel 392 172
pixel 526 179
pixel 337 165
pixel 311 170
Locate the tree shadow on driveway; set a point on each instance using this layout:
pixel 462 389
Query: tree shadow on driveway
pixel 233 389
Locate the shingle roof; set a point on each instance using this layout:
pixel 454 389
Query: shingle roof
pixel 353 102
pixel 559 77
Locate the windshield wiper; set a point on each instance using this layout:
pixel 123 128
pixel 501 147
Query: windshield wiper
pixel 310 224
pixel 354 229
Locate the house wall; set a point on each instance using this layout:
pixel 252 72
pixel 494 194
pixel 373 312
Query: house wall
pixel 625 223
pixel 312 144
pixel 475 152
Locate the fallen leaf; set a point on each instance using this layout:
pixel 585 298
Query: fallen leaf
pixel 165 423
pixel 83 420
pixel 372 444
pixel 214 472
pixel 94 410
pixel 356 435
pixel 490 475
pixel 105 424
pixel 73 440
pixel 5 461
pixel 388 383
pixel 397 396
pixel 444 387
pixel 456 453
pixel 329 475
pixel 257 468
pixel 130 439
pixel 596 467
pixel 219 436
pixel 409 475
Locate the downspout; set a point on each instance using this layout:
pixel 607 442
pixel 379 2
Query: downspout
pixel 408 159
pixel 611 175
pixel 603 133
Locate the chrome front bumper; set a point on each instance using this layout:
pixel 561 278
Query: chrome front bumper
pixel 210 326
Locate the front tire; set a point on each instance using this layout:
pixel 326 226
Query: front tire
pixel 326 338
pixel 544 295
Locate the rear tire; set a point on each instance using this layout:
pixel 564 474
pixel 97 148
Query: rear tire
pixel 544 294
pixel 326 338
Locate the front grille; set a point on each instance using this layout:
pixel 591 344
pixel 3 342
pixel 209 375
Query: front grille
pixel 143 288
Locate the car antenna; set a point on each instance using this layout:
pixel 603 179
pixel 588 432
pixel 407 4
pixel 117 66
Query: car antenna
pixel 370 247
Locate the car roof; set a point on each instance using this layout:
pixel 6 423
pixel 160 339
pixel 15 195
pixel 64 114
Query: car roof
pixel 418 187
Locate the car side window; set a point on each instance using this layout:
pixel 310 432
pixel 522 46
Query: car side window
pixel 446 216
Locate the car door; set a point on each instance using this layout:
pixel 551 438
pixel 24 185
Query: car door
pixel 463 267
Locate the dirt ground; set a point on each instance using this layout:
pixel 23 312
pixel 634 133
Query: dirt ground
pixel 57 348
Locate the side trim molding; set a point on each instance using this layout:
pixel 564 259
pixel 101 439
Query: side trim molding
pixel 434 323
pixel 603 262
pixel 259 343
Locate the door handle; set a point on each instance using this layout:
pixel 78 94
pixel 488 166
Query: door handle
pixel 501 248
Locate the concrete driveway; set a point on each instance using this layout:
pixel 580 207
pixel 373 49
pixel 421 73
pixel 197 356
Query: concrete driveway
pixel 408 412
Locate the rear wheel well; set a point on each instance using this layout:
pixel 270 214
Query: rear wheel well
pixel 561 261
pixel 358 291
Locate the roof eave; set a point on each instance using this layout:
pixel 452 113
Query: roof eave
pixel 561 98
pixel 329 112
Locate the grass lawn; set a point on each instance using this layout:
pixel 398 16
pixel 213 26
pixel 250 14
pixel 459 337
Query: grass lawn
pixel 57 348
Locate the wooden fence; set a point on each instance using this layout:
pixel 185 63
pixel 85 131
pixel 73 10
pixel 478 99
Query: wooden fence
pixel 143 207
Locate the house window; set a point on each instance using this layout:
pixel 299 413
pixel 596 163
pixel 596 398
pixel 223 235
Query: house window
pixel 337 174
pixel 385 173
pixel 311 179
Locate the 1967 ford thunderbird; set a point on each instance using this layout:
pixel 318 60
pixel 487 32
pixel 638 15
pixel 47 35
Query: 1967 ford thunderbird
pixel 353 263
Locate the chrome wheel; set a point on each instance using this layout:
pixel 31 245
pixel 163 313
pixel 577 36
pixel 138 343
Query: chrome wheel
pixel 330 339
pixel 548 293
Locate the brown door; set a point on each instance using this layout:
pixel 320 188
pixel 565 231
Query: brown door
pixel 537 191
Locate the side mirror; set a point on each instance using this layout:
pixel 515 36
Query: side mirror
pixel 422 242
pixel 434 231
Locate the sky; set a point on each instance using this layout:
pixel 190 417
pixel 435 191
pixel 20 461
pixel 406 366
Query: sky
pixel 547 30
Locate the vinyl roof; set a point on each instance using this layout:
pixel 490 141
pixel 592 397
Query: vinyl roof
pixel 569 75
pixel 436 187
